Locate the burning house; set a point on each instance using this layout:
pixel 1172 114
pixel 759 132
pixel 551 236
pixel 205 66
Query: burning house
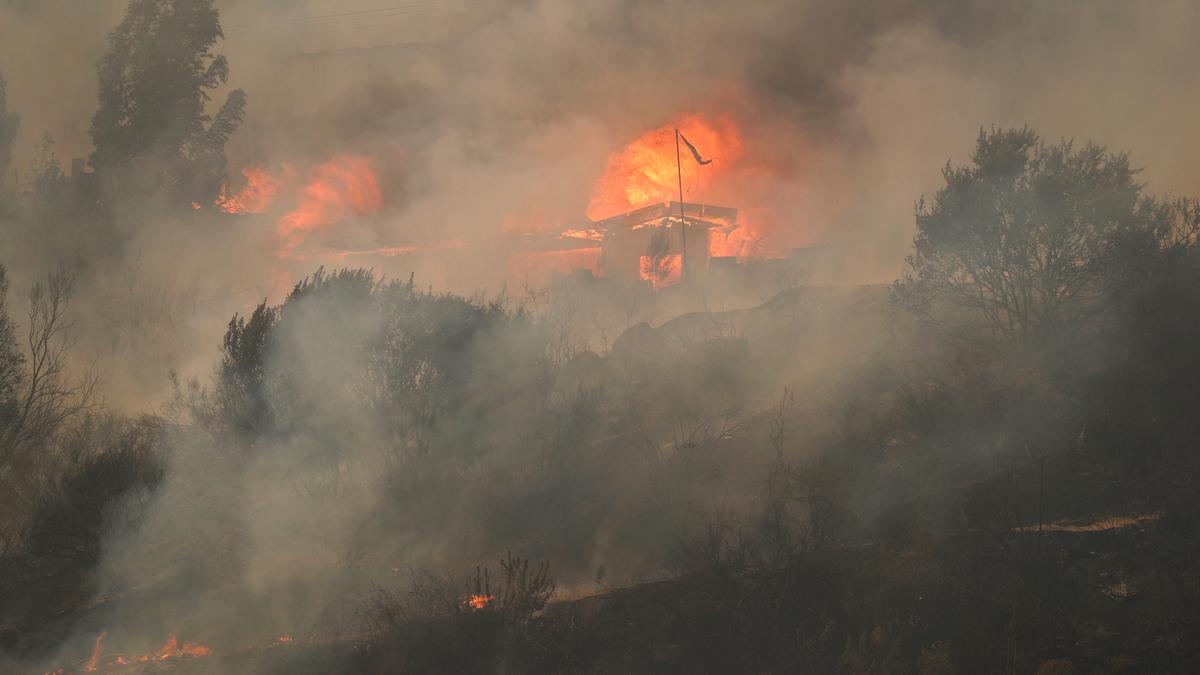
pixel 649 243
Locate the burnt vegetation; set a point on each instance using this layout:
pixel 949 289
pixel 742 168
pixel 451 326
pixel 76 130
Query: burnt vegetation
pixel 989 466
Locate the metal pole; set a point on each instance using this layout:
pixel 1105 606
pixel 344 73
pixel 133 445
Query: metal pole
pixel 682 218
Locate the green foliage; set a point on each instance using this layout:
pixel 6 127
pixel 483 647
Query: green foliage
pixel 1017 243
pixel 240 382
pixel 10 122
pixel 155 83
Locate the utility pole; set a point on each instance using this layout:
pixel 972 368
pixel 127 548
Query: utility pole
pixel 682 218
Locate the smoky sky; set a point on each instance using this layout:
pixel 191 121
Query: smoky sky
pixel 858 103
pixel 475 111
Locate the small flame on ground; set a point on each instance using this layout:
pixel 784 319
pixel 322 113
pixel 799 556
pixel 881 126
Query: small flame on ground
pixel 478 601
pixel 97 650
pixel 171 649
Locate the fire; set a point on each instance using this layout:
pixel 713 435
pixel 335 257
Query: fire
pixel 171 649
pixel 259 192
pixel 478 601
pixel 661 271
pixel 644 172
pixel 589 234
pixel 97 649
pixel 739 242
pixel 336 189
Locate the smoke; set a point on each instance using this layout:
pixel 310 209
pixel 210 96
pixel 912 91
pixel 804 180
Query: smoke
pixel 500 116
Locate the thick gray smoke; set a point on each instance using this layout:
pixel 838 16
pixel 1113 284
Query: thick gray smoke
pixel 500 114
pixel 506 118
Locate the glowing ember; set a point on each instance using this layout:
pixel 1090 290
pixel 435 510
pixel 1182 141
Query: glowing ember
pixel 644 172
pixel 478 601
pixel 284 640
pixel 259 192
pixel 661 271
pixel 97 649
pixel 336 189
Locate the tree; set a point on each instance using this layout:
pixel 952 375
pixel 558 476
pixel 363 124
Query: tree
pixel 242 394
pixel 9 123
pixel 1018 242
pixel 12 362
pixel 151 127
pixel 38 394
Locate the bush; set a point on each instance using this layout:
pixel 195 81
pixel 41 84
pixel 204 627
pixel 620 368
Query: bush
pixel 69 522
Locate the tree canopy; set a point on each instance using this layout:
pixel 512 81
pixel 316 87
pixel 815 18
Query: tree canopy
pixel 155 83
pixel 9 123
pixel 1021 237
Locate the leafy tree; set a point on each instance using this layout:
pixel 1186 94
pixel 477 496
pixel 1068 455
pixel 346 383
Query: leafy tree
pixel 9 123
pixel 1018 242
pixel 243 367
pixel 151 127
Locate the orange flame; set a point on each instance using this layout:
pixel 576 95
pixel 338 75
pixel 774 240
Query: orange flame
pixel 661 271
pixel 97 649
pixel 739 242
pixel 171 649
pixel 478 601
pixel 338 188
pixel 260 190
pixel 644 172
